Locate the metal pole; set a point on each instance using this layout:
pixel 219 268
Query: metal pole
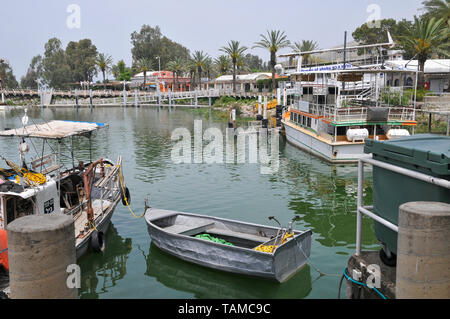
pixel 359 204
pixel 90 98
pixel 345 55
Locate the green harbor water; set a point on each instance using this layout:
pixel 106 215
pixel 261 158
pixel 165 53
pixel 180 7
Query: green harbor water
pixel 323 195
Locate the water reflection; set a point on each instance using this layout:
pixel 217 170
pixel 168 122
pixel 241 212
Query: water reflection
pixel 328 203
pixel 100 272
pixel 205 283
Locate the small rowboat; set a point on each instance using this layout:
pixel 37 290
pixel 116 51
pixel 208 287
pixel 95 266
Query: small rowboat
pixel 175 233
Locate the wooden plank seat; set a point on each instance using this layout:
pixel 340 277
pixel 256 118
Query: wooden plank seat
pixel 39 163
pixel 227 232
pixel 189 230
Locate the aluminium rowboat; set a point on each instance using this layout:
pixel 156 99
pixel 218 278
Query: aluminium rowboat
pixel 174 232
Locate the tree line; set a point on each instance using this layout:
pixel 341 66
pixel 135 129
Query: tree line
pixel 425 37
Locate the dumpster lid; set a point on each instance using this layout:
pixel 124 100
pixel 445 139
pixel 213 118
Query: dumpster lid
pixel 424 150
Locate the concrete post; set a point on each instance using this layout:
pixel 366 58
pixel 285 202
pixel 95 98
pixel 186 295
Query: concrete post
pixel 3 97
pixel 41 247
pixel 423 254
pixel 259 105
pixel 278 96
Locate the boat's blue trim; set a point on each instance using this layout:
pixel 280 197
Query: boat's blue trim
pixel 96 123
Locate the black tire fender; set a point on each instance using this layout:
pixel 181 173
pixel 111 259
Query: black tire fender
pixel 98 241
pixel 126 195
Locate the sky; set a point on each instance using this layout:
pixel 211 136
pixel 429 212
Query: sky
pixel 205 25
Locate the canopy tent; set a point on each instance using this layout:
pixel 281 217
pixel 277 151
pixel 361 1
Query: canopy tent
pixel 54 129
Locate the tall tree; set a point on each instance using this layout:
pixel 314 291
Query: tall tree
pixel 234 51
pixel 104 63
pixel 223 64
pixel 424 37
pixel 81 57
pixel 177 66
pixel 199 60
pixel 274 41
pixel 305 46
pixel 440 9
pixel 149 43
pixel 34 73
pixel 144 65
pixel 56 72
pixel 7 78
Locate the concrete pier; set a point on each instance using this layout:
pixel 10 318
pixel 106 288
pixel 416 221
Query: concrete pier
pixel 41 247
pixel 423 252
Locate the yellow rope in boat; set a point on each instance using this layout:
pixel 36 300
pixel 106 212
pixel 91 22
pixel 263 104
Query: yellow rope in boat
pixel 122 186
pixel 92 224
pixel 270 248
pixel 32 179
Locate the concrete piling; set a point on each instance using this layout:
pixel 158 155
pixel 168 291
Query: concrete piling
pixel 41 247
pixel 423 252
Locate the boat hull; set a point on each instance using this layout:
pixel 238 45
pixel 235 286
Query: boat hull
pixel 280 266
pixel 333 153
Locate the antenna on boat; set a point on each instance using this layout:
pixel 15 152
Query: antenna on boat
pixel 276 220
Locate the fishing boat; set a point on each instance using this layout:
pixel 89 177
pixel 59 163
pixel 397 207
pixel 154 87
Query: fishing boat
pixel 229 245
pixel 89 192
pixel 339 103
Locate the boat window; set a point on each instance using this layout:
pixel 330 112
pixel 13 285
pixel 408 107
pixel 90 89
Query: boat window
pixel 309 122
pixel 17 207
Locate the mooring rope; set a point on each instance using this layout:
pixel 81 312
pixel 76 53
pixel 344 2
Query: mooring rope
pixel 122 186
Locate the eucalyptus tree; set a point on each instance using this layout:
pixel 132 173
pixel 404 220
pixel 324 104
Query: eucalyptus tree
pixel 104 63
pixel 144 65
pixel 234 51
pixel 305 46
pixel 424 37
pixel 274 41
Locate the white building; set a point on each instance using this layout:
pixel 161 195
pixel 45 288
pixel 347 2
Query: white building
pixel 244 82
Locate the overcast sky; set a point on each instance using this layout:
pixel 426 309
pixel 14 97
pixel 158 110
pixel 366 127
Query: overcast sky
pixel 197 24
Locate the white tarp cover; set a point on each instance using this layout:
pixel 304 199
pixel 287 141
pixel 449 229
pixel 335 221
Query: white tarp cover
pixel 54 129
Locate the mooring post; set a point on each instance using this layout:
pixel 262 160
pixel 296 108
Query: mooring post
pixel 264 120
pixel 124 96
pixel 423 254
pixel 76 98
pixel 170 98
pixel 430 118
pixel 209 102
pixel 41 94
pixel 196 98
pixel 41 254
pixel 90 99
pixel 3 97
pixel 136 104
pixel 448 125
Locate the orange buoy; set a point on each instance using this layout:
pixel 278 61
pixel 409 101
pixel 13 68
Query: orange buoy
pixel 4 249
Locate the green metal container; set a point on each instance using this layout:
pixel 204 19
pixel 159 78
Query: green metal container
pixel 428 154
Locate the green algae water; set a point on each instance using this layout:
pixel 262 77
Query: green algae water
pixel 323 195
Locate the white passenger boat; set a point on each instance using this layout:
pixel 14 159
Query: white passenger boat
pixel 336 106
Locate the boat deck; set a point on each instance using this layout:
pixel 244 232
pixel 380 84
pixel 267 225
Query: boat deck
pixel 81 222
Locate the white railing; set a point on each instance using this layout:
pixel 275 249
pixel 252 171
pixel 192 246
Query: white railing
pixel 366 210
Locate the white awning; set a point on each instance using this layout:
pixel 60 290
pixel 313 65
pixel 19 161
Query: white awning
pixel 54 129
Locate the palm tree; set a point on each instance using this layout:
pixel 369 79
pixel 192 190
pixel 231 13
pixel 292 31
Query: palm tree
pixel 274 41
pixel 440 9
pixel 144 65
pixel 223 64
pixel 199 60
pixel 104 62
pixel 423 38
pixel 234 51
pixel 177 67
pixel 305 46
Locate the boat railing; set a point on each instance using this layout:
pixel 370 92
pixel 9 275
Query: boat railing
pixel 367 210
pixel 359 114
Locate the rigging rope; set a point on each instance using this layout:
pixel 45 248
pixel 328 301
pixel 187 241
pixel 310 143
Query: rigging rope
pixel 122 186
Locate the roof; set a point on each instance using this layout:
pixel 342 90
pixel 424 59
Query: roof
pixel 431 66
pixel 244 77
pixel 54 129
